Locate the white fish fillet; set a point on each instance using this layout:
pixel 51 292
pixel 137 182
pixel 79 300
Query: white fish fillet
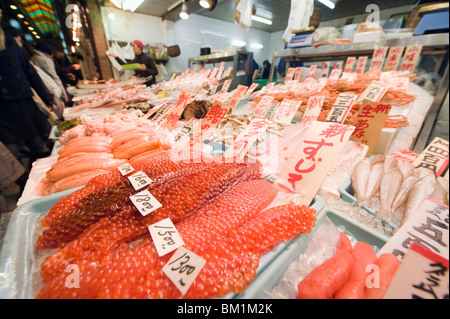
pixel 439 193
pixel 444 183
pixel 374 181
pixel 421 172
pixel 379 158
pixel 390 163
pixel 421 190
pixel 402 196
pixel 390 187
pixel 359 178
pixel 407 169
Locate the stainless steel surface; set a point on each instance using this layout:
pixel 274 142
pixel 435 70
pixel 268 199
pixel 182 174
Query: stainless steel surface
pixel 279 10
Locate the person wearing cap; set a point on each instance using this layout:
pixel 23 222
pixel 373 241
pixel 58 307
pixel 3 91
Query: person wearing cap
pixel 148 64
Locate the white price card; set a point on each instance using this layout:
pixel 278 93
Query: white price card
pixel 165 236
pixel 139 180
pixel 125 169
pixel 145 202
pixel 183 268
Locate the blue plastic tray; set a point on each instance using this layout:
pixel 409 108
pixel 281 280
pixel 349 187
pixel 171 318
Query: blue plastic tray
pixel 20 260
pixel 271 275
pixel 347 194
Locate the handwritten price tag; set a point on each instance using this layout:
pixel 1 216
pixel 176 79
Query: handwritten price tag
pixel 145 202
pixel 349 64
pixel 262 105
pixel 165 236
pixel 183 268
pixel 393 58
pixel 125 169
pixel 139 180
pixel 361 64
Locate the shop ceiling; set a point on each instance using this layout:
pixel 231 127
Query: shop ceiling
pixel 279 10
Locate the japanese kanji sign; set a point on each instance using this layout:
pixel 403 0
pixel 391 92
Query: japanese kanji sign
pixel 341 108
pixel 435 156
pixel 349 64
pixel 176 111
pixel 312 110
pixel 313 158
pixel 379 55
pixel 411 57
pixel 370 121
pixel 286 111
pixel 361 64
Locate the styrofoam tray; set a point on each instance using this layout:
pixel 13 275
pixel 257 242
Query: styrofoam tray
pixel 271 275
pixel 20 260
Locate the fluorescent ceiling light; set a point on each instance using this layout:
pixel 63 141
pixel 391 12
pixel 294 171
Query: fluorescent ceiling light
pixel 328 3
pixel 238 43
pixel 257 46
pixel 262 20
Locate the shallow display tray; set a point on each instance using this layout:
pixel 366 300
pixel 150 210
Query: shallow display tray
pixel 270 276
pixel 347 194
pixel 18 255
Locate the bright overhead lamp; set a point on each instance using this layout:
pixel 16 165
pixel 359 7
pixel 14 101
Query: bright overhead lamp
pixel 204 4
pixel 21 16
pixel 13 7
pixel 328 3
pixel 262 20
pixel 184 14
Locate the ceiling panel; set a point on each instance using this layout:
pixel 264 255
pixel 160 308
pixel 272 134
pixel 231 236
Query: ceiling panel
pixel 279 10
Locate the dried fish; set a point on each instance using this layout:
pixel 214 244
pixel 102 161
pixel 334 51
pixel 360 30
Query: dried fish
pixel 390 187
pixel 379 158
pixel 439 193
pixel 444 184
pixel 374 181
pixel 390 163
pixel 421 172
pixel 402 196
pixel 359 178
pixel 421 190
pixel 407 169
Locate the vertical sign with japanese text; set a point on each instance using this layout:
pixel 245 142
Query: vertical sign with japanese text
pixel 410 58
pixel 341 108
pixel 349 64
pixel 379 55
pixel 435 156
pixel 393 58
pixel 312 110
pixel 313 158
pixel 176 111
pixel 361 64
pixel 370 121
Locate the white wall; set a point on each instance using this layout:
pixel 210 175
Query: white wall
pixel 199 31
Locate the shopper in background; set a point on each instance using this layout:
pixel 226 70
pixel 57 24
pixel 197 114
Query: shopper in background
pixel 11 171
pixel 149 66
pixel 21 122
pixel 44 52
pixel 76 59
pixel 266 69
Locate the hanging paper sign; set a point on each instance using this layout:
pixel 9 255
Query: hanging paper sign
pixel 286 111
pixel 214 88
pixel 251 89
pixel 214 116
pixel 411 57
pixel 435 156
pixel 335 75
pixel 313 158
pixel 312 110
pixel 221 68
pixel 165 236
pixel 370 121
pixel 213 72
pixel 145 202
pixel 247 138
pixel 228 71
pixel 177 109
pixel 225 86
pixel 290 85
pixel 162 114
pixel 298 72
pixel 361 64
pixel 427 226
pixel 422 275
pixel 182 268
pixel 350 77
pixel 349 64
pixel 393 58
pixel 262 105
pixel 325 69
pixel 379 55
pixel 341 108
pixel 312 71
pixel 271 110
pixel 374 92
pixel 238 94
pixel 338 65
pixel 290 75
pixel 405 156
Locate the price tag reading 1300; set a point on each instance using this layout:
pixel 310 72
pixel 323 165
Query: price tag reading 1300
pixel 145 202
pixel 165 236
pixel 183 268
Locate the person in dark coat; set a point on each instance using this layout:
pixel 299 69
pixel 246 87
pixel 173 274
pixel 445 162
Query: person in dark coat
pixel 149 66
pixel 21 121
